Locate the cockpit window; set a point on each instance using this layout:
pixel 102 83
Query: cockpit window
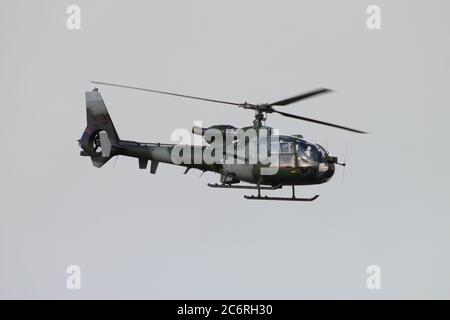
pixel 285 147
pixel 287 160
pixel 294 152
pixel 309 153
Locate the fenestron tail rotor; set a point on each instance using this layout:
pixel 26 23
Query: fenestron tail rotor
pixel 260 109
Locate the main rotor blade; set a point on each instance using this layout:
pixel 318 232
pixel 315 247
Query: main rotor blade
pixel 318 121
pixel 164 92
pixel 302 96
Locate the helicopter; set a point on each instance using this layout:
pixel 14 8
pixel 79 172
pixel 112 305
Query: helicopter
pixel 293 160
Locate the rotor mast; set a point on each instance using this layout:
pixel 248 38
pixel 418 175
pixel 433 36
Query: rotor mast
pixel 259 118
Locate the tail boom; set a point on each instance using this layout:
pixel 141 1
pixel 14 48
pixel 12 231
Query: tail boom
pixel 101 142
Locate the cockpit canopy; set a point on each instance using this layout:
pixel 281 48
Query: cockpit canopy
pixel 298 152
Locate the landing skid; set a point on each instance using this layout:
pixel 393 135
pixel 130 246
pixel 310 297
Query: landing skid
pixel 226 186
pixel 293 198
pixel 280 198
pixel 259 188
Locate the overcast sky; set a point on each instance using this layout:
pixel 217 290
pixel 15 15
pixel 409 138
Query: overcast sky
pixel 136 235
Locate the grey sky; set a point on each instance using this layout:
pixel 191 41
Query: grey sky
pixel 181 239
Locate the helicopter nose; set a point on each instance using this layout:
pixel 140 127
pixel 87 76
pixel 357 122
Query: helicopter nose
pixel 325 171
pixel 330 171
pixel 331 166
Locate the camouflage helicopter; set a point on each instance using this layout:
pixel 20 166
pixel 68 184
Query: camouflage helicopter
pixel 295 160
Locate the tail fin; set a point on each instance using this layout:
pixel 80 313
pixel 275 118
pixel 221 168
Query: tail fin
pixel 100 132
